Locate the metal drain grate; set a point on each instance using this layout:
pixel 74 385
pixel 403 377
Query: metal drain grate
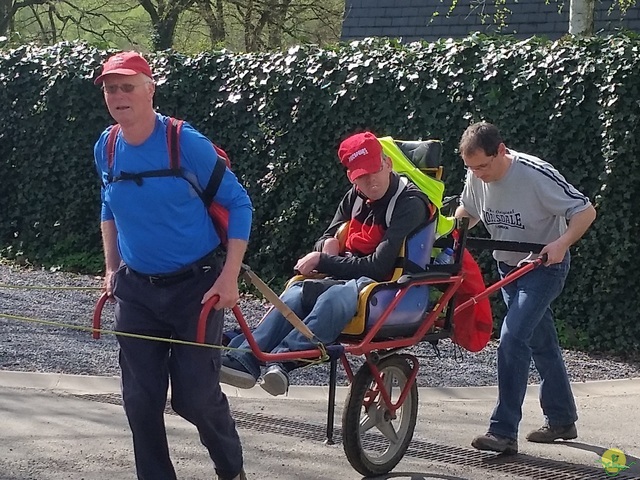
pixel 522 465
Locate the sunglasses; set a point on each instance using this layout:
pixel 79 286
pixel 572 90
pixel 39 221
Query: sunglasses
pixel 125 87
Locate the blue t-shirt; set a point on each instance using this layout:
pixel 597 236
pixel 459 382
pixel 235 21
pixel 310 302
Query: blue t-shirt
pixel 163 224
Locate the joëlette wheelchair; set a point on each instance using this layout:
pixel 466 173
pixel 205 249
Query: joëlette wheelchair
pixel 415 305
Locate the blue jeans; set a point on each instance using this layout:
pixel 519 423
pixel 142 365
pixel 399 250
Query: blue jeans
pixel 331 313
pixel 528 331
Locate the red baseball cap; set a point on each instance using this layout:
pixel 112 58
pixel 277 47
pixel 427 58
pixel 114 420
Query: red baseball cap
pixel 125 63
pixel 361 154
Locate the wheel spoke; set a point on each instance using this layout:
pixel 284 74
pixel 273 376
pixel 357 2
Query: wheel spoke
pixel 367 422
pixel 388 385
pixel 386 428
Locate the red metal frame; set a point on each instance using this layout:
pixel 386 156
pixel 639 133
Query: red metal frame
pixel 97 315
pixel 364 346
pixel 368 343
pixel 386 396
pixel 510 277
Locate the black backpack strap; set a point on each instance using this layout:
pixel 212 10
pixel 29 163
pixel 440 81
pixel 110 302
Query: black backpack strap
pixel 215 180
pixel 138 177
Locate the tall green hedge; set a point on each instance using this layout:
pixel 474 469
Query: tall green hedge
pixel 281 116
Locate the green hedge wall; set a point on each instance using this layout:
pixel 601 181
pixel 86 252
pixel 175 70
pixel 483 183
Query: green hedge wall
pixel 281 116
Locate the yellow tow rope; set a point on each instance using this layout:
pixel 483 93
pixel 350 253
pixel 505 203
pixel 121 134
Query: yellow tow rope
pixel 323 358
pixel 108 332
pixel 37 287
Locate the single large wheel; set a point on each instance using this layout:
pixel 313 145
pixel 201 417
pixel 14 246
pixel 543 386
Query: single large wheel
pixel 374 440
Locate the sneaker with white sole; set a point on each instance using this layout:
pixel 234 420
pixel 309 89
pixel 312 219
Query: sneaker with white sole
pixel 275 380
pixel 232 372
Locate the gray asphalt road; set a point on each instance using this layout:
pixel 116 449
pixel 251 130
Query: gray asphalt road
pixel 58 427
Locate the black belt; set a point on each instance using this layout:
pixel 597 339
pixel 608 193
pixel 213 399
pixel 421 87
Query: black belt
pixel 203 265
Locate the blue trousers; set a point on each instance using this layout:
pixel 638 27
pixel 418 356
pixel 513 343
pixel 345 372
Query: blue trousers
pixel 148 366
pixel 331 313
pixel 528 331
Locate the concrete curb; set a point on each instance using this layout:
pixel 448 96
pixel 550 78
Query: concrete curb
pixel 84 384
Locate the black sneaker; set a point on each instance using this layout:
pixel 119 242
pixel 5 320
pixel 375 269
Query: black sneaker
pixel 495 443
pixel 549 434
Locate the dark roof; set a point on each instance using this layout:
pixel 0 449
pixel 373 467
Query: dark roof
pixel 431 20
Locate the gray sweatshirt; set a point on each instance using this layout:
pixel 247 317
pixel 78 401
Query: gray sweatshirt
pixel 531 203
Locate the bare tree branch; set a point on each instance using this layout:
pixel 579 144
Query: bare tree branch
pixel 9 8
pixel 83 20
pixel 151 10
pixel 263 24
pixel 214 19
pixel 284 18
pixel 52 23
pixel 43 29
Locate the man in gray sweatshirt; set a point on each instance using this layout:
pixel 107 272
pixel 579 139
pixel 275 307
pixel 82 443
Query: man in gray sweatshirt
pixel 522 198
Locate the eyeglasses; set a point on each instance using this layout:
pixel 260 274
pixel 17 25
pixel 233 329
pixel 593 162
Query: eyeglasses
pixel 483 166
pixel 125 87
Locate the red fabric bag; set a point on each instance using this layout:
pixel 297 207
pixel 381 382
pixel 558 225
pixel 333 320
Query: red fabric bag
pixel 473 325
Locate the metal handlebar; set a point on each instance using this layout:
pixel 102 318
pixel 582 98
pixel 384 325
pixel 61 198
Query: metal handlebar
pixel 204 314
pixel 97 314
pixel 510 277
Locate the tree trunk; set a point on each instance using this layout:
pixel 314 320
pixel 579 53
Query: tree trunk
pixel 5 17
pixel 279 11
pixel 214 20
pixel 164 18
pixel 581 17
pixel 164 31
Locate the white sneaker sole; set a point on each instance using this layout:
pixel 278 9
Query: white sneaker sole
pixel 235 378
pixel 274 383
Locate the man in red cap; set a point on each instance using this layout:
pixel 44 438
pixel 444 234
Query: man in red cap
pixel 163 261
pixel 375 232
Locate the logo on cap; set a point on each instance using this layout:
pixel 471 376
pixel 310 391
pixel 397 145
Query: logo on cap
pixel 354 155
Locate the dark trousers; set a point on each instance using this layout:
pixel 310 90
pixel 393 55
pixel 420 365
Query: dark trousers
pixel 147 366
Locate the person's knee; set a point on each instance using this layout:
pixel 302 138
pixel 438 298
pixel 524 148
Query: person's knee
pixel 141 409
pixel 192 406
pixel 237 341
pixel 181 406
pixel 546 350
pixel 292 295
pixel 513 340
pixel 343 299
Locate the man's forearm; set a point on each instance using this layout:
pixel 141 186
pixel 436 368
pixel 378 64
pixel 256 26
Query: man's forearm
pixel 462 213
pixel 578 225
pixel 236 249
pixel 110 245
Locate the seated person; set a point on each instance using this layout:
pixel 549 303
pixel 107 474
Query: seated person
pixel 371 249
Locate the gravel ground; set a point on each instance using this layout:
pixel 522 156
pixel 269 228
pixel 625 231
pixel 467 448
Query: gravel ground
pixel 36 347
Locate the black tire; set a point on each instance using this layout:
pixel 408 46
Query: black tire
pixel 378 453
